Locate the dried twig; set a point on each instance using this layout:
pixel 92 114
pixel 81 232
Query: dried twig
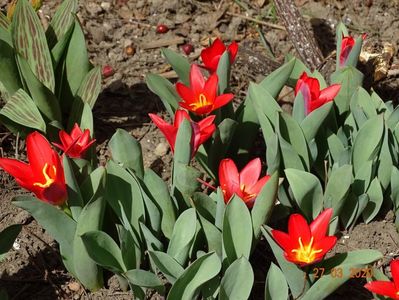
pixel 299 34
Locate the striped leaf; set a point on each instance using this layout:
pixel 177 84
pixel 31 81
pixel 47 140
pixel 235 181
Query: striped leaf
pixel 22 110
pixel 61 22
pixel 9 75
pixel 91 87
pixel 4 22
pixel 30 42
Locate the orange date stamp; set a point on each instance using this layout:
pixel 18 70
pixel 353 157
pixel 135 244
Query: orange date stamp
pixel 338 272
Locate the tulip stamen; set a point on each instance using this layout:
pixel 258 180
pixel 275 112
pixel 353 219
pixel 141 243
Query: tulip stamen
pixel 246 196
pixel 49 180
pixel 202 101
pixel 306 254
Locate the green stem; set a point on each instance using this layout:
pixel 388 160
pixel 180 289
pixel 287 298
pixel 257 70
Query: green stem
pixel 67 210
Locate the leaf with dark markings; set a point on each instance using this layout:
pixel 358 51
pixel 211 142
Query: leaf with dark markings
pixel 30 42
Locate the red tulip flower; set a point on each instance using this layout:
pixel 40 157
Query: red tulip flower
pixel 346 47
pixel 211 55
pixel 304 244
pixel 201 97
pixel 313 97
pixel 387 288
pixel 44 175
pixel 245 184
pixel 75 144
pixel 202 130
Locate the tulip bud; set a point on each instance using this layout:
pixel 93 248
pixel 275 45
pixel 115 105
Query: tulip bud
pixel 187 48
pixel 162 28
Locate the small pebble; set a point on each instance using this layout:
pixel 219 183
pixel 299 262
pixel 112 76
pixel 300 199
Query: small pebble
pixel 161 149
pixel 129 50
pixel 74 286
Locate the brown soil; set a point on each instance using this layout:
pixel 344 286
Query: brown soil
pixel 33 269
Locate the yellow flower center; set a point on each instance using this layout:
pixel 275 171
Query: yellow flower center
pixel 49 180
pixel 246 196
pixel 201 102
pixel 306 254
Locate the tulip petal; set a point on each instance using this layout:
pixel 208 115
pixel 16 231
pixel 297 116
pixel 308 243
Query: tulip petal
pixel 210 56
pixel 384 288
pixel 395 272
pixel 39 152
pixel 168 130
pixel 76 131
pixel 233 49
pixel 211 87
pixel 325 244
pixel 185 93
pixel 249 175
pixel 222 100
pixel 17 169
pixel 315 105
pixel 206 122
pixel 65 138
pixel 284 240
pixel 329 93
pixel 259 185
pixel 228 178
pixel 197 80
pixel 298 228
pixel 319 226
pixel 203 110
pixel 180 115
pixel 206 133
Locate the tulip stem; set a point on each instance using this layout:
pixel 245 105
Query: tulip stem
pixel 67 210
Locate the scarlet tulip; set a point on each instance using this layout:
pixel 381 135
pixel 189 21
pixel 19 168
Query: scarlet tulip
pixel 202 130
pixel 75 144
pixel 44 175
pixel 387 288
pixel 211 55
pixel 201 97
pixel 346 47
pixel 245 184
pixel 304 244
pixel 312 95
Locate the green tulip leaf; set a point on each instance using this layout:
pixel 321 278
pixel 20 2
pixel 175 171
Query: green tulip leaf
pixel 237 281
pixel 183 236
pixel 104 251
pixel 126 151
pixel 276 287
pixel 237 230
pixel 200 272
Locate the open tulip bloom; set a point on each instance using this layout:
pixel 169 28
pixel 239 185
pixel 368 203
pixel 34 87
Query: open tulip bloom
pixel 75 144
pixel 211 55
pixel 245 184
pixel 387 288
pixel 44 175
pixel 346 47
pixel 306 244
pixel 201 97
pixel 312 95
pixel 202 130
